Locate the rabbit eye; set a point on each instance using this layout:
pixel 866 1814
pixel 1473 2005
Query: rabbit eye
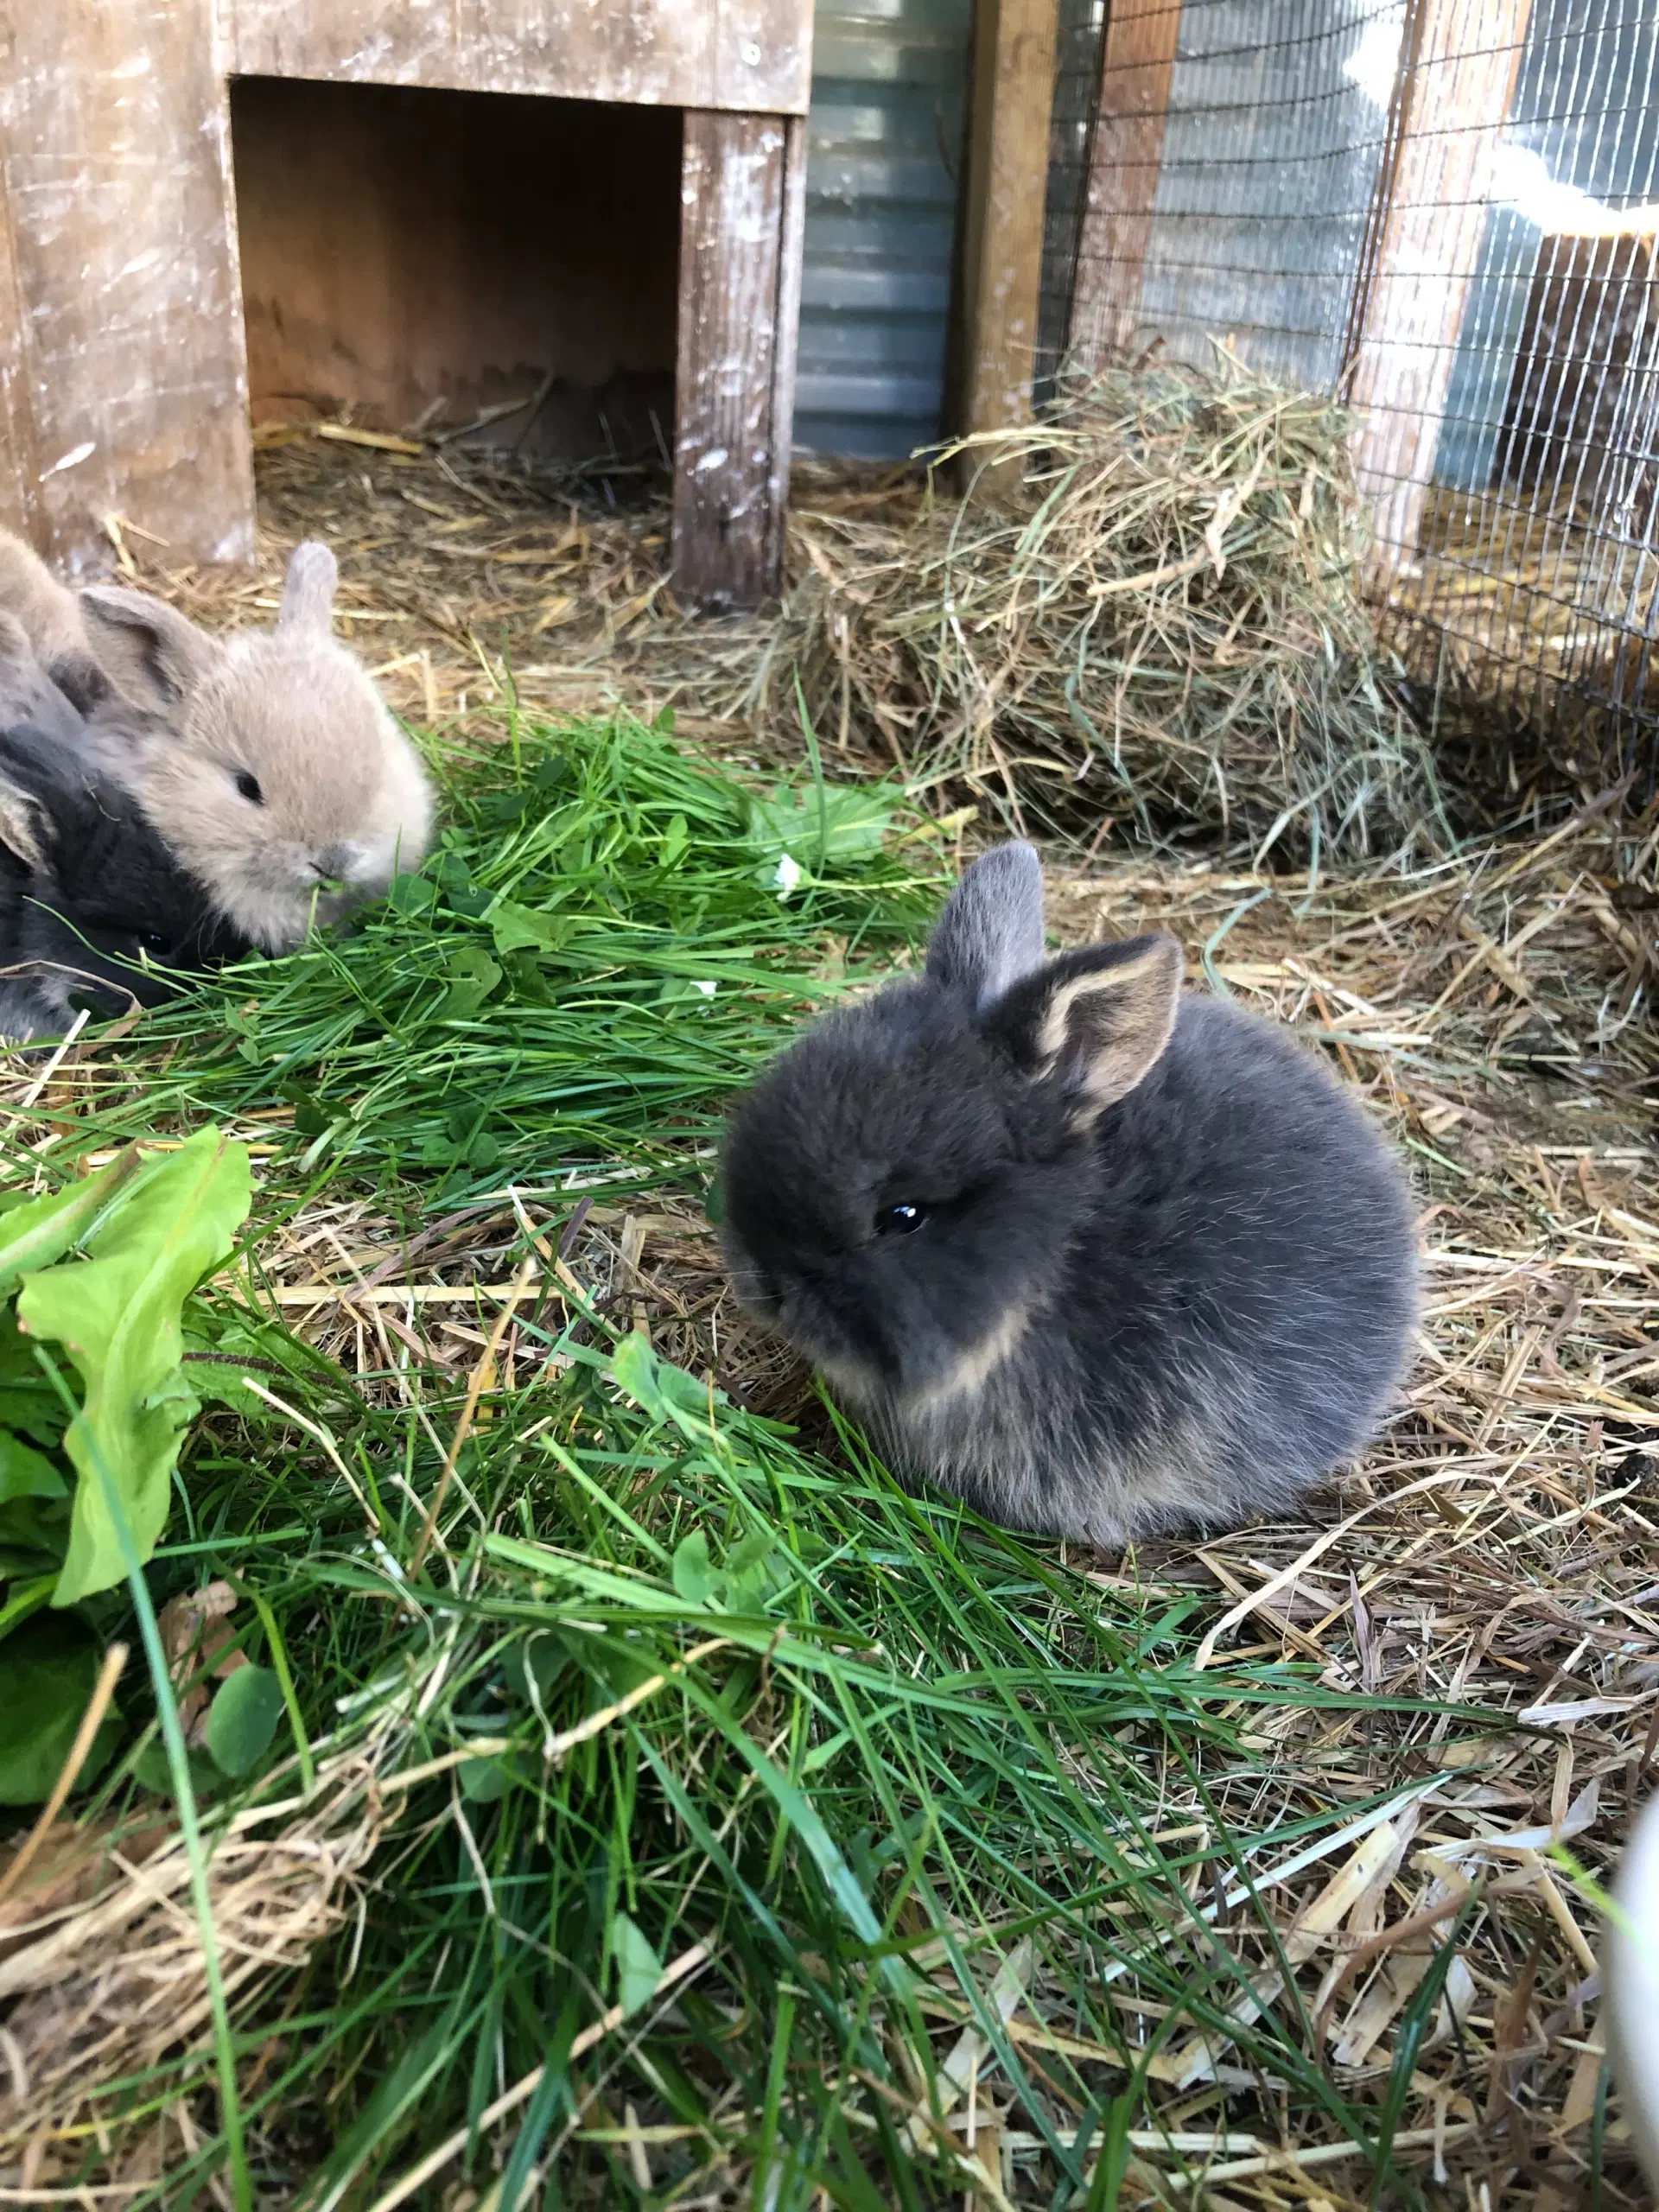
pixel 249 787
pixel 899 1220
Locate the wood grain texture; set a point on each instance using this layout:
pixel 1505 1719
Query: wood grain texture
pixel 733 275
pixel 127 356
pixel 1126 148
pixel 1462 58
pixel 791 255
pixel 753 54
pixel 1007 178
pixel 396 252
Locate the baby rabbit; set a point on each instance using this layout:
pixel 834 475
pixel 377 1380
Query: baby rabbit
pixel 1100 1259
pixel 91 899
pixel 265 759
pixel 1630 1969
pixel 49 617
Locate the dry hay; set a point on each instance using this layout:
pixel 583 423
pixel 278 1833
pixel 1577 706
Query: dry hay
pixel 102 1969
pixel 1537 621
pixel 1161 623
pixel 467 575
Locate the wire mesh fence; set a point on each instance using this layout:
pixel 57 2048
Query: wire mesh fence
pixel 1447 211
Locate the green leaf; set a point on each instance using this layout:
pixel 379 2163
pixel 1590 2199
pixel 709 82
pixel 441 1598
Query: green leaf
pixel 693 1573
pixel 483 1780
pixel 665 1392
pixel 220 1356
pixel 47 1672
pixel 473 975
pixel 518 929
pixel 118 1313
pixel 849 823
pixel 638 1969
pixel 24 1473
pixel 41 1231
pixel 242 1719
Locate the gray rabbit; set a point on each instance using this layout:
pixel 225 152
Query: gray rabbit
pixel 1099 1258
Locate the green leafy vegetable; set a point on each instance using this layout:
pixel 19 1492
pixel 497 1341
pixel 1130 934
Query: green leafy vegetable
pixel 242 1719
pixel 117 1312
pixel 47 1672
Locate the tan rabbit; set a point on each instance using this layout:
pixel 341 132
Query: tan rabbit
pixel 265 759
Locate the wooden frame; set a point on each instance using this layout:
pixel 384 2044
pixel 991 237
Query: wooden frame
pixel 122 358
pixel 1013 45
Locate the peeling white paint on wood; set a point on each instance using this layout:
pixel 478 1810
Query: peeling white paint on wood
pixel 740 258
pixel 127 351
pixel 727 54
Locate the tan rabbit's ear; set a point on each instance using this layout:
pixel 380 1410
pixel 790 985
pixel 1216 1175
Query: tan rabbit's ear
pixel 21 827
pixel 1097 1020
pixel 991 931
pixel 152 654
pixel 309 593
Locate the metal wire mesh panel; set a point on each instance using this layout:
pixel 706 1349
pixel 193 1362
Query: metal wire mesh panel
pixel 1446 210
pixel 1077 77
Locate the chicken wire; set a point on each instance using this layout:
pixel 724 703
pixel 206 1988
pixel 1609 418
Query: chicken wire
pixel 1517 481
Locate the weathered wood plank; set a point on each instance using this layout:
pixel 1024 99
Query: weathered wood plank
pixel 727 531
pixel 19 470
pixel 115 174
pixel 791 251
pixel 1125 149
pixel 730 54
pixel 1461 60
pixel 1007 177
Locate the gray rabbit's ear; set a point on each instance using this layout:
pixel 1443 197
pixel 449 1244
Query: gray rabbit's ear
pixel 991 931
pixel 308 591
pixel 150 652
pixel 1096 1022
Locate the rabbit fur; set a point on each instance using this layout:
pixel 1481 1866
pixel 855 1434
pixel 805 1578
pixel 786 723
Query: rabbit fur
pixel 1098 1257
pixel 1630 1975
pixel 265 759
pixel 91 902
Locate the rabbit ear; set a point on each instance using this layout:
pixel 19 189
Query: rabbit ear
pixel 309 593
pixel 149 651
pixel 21 829
pixel 991 931
pixel 1096 1021
pixel 32 769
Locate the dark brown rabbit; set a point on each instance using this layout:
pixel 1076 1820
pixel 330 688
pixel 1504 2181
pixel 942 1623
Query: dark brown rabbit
pixel 1096 1256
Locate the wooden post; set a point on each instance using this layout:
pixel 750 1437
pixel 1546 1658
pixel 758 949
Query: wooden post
pixel 1013 97
pixel 1126 148
pixel 1461 59
pixel 126 355
pixel 740 219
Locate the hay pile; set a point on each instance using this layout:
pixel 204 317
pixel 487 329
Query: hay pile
pixel 1161 623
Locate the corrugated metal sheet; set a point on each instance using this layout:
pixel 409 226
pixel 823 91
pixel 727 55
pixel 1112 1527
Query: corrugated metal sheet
pixel 884 141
